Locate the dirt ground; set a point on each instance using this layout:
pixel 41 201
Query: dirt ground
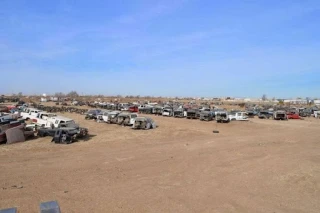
pixel 182 166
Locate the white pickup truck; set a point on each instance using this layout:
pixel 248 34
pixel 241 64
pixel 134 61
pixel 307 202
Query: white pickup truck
pixel 57 121
pixel 238 116
pixel 8 116
pixel 42 118
pixel 30 113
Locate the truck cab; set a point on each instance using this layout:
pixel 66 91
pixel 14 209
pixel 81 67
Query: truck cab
pixel 29 113
pixel 42 118
pixel 238 116
pixel 58 121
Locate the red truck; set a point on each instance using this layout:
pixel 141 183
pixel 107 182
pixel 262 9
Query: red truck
pixel 293 116
pixel 133 109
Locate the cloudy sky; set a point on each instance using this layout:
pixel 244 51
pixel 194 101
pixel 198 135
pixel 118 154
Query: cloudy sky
pixel 161 48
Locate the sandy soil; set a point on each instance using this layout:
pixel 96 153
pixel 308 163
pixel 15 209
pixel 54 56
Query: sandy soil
pixel 256 166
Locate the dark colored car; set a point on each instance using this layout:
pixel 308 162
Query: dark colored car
pixel 264 115
pixel 92 114
pixel 64 135
pixel 72 129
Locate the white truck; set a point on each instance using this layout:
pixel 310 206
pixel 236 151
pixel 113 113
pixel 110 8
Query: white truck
pixel 238 116
pixel 167 112
pixel 57 121
pixel 8 116
pixel 42 118
pixel 30 113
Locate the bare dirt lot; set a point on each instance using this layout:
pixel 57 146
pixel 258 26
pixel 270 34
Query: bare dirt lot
pixel 257 166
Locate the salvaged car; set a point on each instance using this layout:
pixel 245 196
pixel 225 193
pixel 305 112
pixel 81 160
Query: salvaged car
pixel 133 109
pixel 64 136
pixel 102 115
pixel 113 117
pixel 178 113
pixel 291 115
pixel 79 131
pixel 126 119
pixel 158 110
pixel 144 123
pixel 264 115
pixel 29 113
pixel 92 114
pixel 42 118
pixel 167 112
pixel 192 113
pixel 146 110
pixel 251 114
pixel 206 116
pixel 222 117
pixel 280 115
pixel 57 121
pixel 238 116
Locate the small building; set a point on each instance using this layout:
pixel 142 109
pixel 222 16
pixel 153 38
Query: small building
pixel 43 99
pixel 296 101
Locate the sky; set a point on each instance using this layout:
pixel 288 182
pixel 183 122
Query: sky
pixel 198 48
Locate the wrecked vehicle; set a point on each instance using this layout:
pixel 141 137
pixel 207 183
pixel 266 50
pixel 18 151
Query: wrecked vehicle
pixel 75 129
pixel 92 114
pixel 133 109
pixel 101 117
pixel 206 116
pixel 29 113
pixel 113 117
pixel 280 115
pixel 158 110
pixel 222 117
pixel 264 115
pixel 57 121
pixel 42 118
pixel 126 119
pixel 146 110
pixel 238 116
pixel 179 113
pixel 144 123
pixel 293 115
pixel 64 135
pixel 167 112
pixel 192 114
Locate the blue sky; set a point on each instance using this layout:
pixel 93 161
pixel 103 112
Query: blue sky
pixel 242 48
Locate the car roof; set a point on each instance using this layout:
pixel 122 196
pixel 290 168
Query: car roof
pixel 62 118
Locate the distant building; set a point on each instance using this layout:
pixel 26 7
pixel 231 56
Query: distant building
pixel 295 101
pixel 43 99
pixel 54 99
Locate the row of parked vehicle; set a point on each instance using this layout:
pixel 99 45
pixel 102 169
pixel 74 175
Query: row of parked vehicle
pixel 13 129
pixel 207 114
pixel 62 129
pixel 121 118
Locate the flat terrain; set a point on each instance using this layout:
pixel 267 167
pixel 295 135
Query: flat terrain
pixel 256 166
